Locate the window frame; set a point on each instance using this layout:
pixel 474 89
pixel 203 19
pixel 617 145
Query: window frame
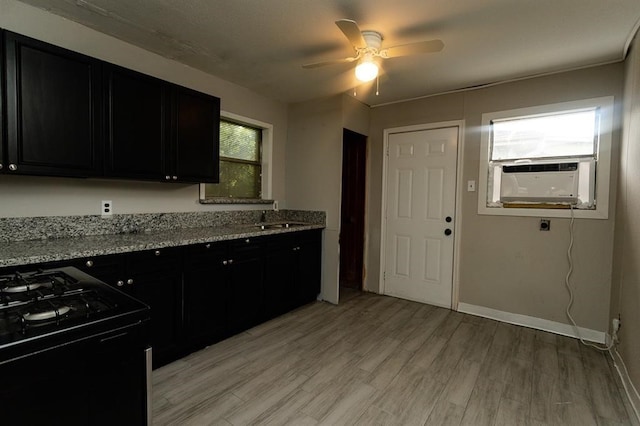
pixel 603 159
pixel 266 150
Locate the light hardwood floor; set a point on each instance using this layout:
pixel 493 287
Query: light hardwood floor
pixel 380 360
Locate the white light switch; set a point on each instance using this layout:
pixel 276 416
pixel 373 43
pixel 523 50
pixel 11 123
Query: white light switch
pixel 471 185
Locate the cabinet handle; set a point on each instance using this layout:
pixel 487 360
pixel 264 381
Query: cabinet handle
pixel 157 253
pixel 130 281
pixel 207 246
pixel 89 263
pixel 120 283
pixel 13 167
pixel 224 262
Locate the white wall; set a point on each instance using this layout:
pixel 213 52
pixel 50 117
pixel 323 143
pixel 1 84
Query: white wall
pixel 314 169
pixel 31 196
pixel 506 264
pixel 625 299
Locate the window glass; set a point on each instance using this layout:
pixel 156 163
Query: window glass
pixel 570 134
pixel 240 162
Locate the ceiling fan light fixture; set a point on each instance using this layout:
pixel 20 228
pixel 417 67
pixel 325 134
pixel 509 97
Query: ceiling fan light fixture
pixel 366 70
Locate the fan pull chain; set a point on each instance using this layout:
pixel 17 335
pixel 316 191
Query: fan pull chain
pixel 377 85
pixel 354 92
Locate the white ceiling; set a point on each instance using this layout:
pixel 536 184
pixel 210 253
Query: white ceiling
pixel 261 44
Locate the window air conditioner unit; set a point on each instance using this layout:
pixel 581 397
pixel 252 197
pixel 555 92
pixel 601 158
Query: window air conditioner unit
pixel 554 183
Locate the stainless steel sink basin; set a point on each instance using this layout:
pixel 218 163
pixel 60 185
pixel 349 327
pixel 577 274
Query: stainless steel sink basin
pixel 278 225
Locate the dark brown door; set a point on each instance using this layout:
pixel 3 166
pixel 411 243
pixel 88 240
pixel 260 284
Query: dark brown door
pixel 354 152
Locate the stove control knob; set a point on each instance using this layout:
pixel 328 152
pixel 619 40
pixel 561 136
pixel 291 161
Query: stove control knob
pixel 89 263
pixel 157 253
pixel 120 283
pixel 130 281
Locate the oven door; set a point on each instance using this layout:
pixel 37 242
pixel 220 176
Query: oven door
pixel 98 380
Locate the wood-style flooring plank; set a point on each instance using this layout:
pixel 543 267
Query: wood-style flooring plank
pixel 377 360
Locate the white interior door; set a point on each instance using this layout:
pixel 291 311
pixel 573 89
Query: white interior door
pixel 421 186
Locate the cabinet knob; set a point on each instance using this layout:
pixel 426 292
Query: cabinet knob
pixel 89 263
pixel 157 253
pixel 13 167
pixel 207 246
pixel 224 262
pixel 120 283
pixel 0 166
pixel 167 178
pixel 130 281
pixel 174 177
pixel 230 261
pixel 247 241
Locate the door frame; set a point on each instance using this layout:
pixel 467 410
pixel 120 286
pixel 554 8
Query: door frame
pixel 459 124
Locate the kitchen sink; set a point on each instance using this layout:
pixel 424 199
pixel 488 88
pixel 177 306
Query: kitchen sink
pixel 278 225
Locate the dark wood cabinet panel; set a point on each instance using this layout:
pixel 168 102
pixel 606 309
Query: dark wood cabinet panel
pixel 2 105
pixel 136 112
pixel 196 132
pixel 205 294
pixel 309 266
pixel 53 110
pixel 280 275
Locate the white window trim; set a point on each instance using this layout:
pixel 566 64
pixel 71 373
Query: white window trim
pixel 267 153
pixel 606 105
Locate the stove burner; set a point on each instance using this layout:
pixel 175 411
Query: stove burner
pixel 46 315
pixel 21 288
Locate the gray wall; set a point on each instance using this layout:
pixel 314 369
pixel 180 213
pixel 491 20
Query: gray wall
pixel 506 264
pixel 29 196
pixel 625 298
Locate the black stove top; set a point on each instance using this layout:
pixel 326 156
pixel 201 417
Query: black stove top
pixel 46 303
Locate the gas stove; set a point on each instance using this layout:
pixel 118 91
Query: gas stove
pixel 61 327
pixel 48 302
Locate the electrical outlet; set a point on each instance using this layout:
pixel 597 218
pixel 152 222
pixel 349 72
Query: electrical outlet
pixel 106 208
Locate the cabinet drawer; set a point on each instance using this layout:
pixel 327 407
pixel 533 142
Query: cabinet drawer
pixel 154 260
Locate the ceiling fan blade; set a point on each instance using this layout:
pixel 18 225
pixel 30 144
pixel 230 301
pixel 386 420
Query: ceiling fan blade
pixel 334 62
pixel 429 46
pixel 352 32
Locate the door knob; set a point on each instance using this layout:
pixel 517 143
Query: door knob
pixel 447 231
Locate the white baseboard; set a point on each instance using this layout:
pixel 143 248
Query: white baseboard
pixel 632 393
pixel 533 322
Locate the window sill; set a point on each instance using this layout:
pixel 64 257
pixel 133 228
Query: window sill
pixel 222 200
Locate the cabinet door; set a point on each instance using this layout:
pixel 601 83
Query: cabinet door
pixel 196 124
pixel 156 279
pixel 2 104
pixel 309 270
pixel 246 275
pixel 280 293
pixel 205 294
pixel 135 125
pixel 53 110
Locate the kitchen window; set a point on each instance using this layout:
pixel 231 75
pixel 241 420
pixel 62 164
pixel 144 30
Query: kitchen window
pixel 244 156
pixel 537 161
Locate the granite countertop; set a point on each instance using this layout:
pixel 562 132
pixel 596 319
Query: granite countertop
pixel 51 250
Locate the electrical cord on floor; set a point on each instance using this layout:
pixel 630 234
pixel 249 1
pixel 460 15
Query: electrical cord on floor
pixel 568 285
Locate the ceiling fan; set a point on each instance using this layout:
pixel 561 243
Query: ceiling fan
pixel 367 45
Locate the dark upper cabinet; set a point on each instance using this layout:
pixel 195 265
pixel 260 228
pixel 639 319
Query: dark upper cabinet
pixel 135 125
pixel 159 131
pixel 196 136
pixel 53 110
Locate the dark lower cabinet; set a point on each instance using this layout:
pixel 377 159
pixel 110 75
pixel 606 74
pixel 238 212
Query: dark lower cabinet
pixel 203 293
pixel 292 271
pixel 246 283
pixel 53 110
